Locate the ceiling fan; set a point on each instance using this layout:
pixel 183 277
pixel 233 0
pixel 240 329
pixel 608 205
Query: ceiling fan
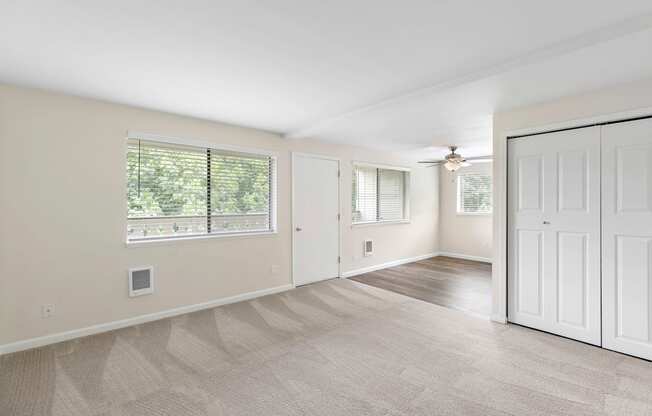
pixel 453 161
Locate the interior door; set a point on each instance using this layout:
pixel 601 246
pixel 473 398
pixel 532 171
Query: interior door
pixel 627 237
pixel 554 233
pixel 316 215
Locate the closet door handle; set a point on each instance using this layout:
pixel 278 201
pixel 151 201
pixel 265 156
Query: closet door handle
pixel 546 223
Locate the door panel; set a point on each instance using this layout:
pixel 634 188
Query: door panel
pixel 316 211
pixel 554 233
pixel 529 264
pixel 632 287
pixel 633 173
pixel 572 278
pixel 530 183
pixel 573 181
pixel 627 237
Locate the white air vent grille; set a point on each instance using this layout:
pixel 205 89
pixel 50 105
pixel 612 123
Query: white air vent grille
pixel 368 248
pixel 141 281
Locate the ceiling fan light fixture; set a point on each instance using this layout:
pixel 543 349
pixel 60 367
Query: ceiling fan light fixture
pixel 454 161
pixel 452 166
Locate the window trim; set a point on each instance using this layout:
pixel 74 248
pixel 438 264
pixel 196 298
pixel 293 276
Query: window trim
pixel 156 138
pixel 406 194
pixel 379 166
pixel 384 222
pixel 458 195
pixel 190 238
pixel 187 141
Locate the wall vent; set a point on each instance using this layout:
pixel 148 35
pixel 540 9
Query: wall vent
pixel 141 281
pixel 368 248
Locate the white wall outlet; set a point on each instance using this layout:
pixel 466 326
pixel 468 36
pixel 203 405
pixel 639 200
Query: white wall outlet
pixel 275 268
pixel 47 310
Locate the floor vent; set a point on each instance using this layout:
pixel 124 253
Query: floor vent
pixel 141 281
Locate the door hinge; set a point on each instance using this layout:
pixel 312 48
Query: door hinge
pixel 339 217
pixel 339 173
pixel 339 259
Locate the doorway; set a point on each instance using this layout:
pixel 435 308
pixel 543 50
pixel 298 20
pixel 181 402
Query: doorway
pixel 315 218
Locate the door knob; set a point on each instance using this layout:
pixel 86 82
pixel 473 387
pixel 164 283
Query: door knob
pixel 298 228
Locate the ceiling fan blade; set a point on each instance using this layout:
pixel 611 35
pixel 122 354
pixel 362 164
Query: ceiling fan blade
pixel 490 157
pixel 431 161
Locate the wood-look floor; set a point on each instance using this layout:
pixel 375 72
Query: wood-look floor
pixel 458 284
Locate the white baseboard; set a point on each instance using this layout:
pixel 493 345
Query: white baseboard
pixel 110 326
pixel 466 257
pixel 501 319
pixel 381 266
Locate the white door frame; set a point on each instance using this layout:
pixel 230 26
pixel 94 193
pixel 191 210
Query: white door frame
pixel 339 205
pixel 500 253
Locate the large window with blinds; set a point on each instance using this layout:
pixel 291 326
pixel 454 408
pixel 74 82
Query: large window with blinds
pixel 379 194
pixel 474 194
pixel 179 191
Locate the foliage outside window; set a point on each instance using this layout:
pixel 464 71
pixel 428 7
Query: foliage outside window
pixel 182 191
pixel 379 194
pixel 474 194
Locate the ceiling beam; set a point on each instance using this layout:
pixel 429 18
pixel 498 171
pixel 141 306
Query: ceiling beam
pixel 604 34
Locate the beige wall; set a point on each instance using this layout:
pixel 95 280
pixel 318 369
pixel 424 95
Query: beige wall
pixel 62 222
pixel 632 98
pixel 463 235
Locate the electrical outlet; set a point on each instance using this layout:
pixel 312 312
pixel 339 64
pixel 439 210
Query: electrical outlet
pixel 47 311
pixel 275 269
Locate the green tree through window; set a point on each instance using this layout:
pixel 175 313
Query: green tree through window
pixel 168 190
pixel 474 194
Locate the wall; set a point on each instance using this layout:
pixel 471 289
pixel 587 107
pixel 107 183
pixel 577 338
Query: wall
pixel 62 199
pixel 467 236
pixel 608 104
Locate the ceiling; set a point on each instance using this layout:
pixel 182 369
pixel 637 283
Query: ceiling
pixel 411 75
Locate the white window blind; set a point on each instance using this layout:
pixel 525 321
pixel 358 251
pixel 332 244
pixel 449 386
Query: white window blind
pixel 379 194
pixel 183 191
pixel 390 200
pixel 474 194
pixel 365 188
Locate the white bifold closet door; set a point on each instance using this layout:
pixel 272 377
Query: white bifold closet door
pixel 554 233
pixel 627 237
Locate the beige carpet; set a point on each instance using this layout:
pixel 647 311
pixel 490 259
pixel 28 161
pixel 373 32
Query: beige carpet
pixel 333 348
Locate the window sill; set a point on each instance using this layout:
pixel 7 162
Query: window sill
pixel 175 240
pixel 373 223
pixel 475 214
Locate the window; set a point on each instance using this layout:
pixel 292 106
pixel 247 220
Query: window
pixel 474 194
pixel 183 191
pixel 379 194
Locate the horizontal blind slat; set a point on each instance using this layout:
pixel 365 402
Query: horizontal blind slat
pixel 364 194
pixel 378 194
pixel 168 188
pixel 392 185
pixel 474 193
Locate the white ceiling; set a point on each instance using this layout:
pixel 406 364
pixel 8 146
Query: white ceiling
pixel 399 75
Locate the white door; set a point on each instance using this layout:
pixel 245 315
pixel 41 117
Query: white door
pixel 316 210
pixel 554 233
pixel 627 237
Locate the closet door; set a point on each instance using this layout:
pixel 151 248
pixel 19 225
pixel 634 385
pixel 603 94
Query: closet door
pixel 554 233
pixel 627 237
